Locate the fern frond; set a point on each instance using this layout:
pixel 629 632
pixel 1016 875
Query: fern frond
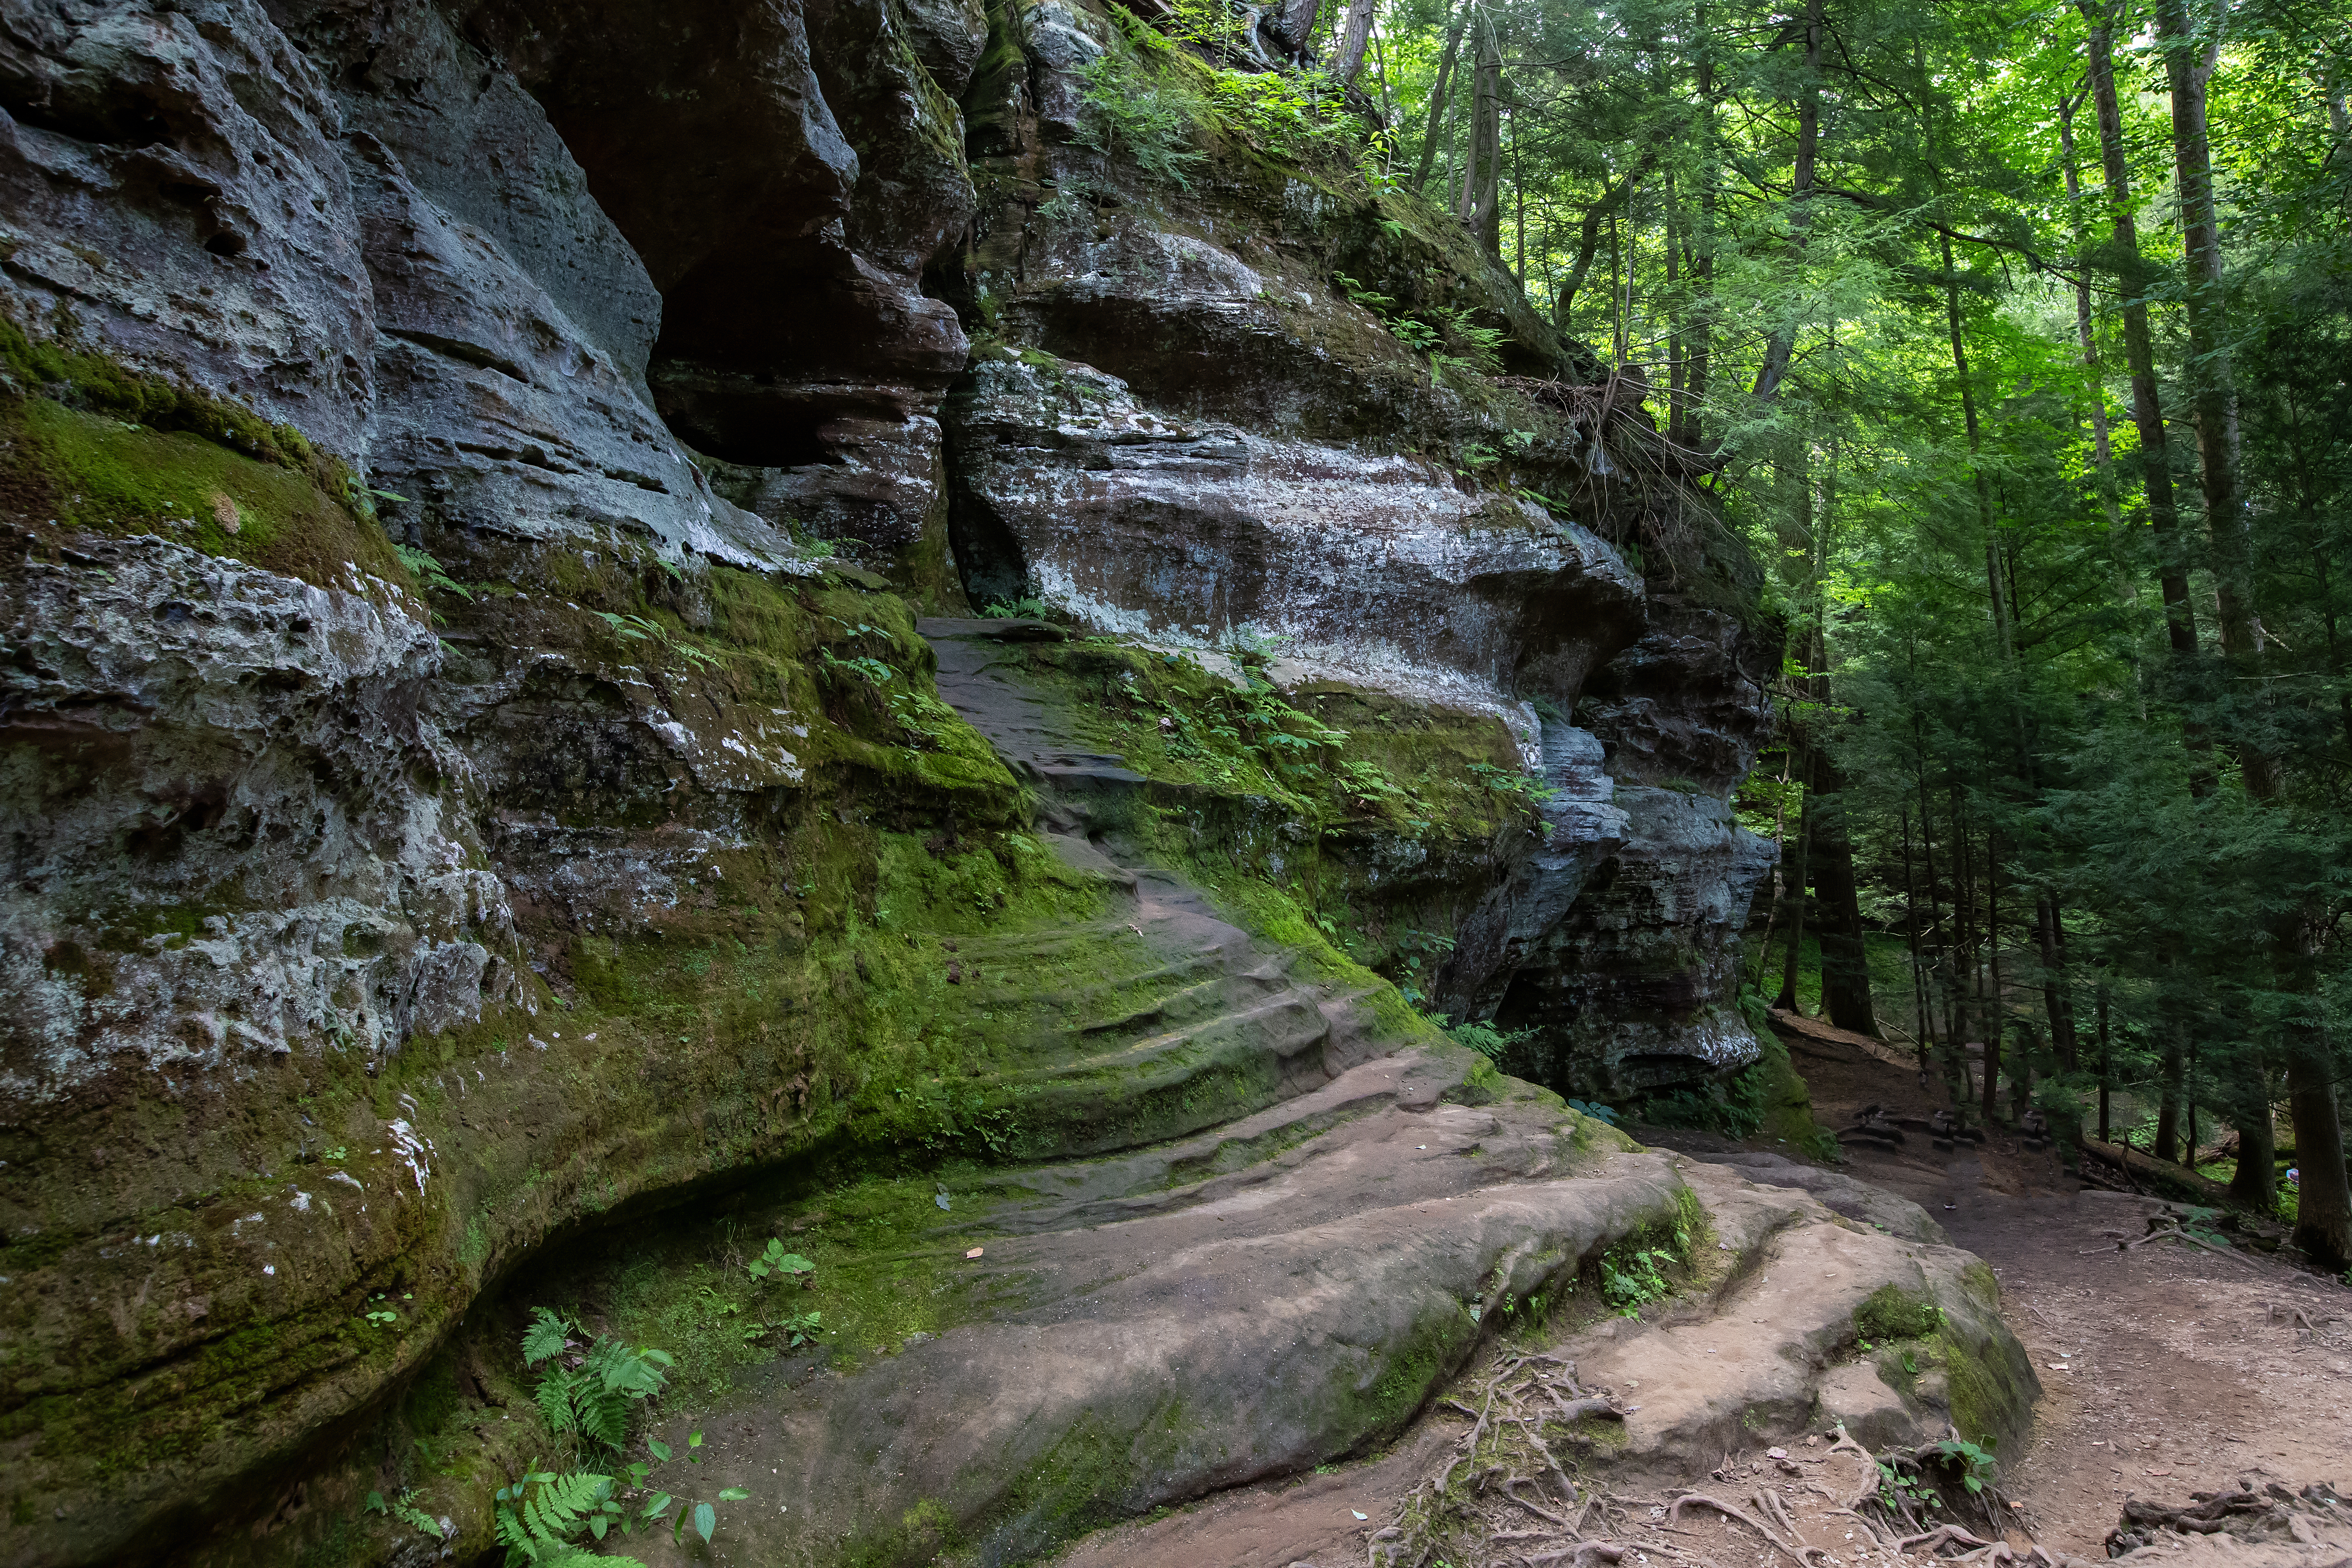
pixel 546 1336
pixel 555 1396
pixel 559 1509
pixel 604 1415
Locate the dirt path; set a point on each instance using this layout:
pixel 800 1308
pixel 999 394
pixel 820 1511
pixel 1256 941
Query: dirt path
pixel 2166 1371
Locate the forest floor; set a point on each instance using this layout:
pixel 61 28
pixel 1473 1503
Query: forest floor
pixel 2166 1371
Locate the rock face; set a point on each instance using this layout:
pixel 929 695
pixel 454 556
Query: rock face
pixel 474 775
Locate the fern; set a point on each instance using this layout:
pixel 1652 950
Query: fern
pixel 539 1519
pixel 594 1398
pixel 548 1335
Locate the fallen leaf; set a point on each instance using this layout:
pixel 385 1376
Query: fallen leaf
pixel 975 1252
pixel 2159 1472
pixel 1360 1515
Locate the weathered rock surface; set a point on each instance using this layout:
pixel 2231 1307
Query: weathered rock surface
pixel 388 932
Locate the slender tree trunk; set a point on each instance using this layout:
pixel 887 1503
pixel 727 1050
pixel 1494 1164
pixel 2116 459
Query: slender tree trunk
pixel 1965 972
pixel 2189 63
pixel 1920 1020
pixel 2057 996
pixel 1673 314
pixel 2003 636
pixel 1437 97
pixel 2139 349
pixel 2168 1112
pixel 1846 968
pixel 1355 36
pixel 1996 1018
pixel 1783 340
pixel 2107 1062
pixel 1787 999
pixel 2102 447
pixel 1485 206
pixel 2254 1184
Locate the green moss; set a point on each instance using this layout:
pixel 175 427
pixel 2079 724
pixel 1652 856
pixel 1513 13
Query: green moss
pixel 1892 1312
pixel 96 382
pixel 89 471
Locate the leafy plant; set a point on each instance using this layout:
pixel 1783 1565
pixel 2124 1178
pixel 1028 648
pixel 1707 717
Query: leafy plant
pixel 1629 1279
pixel 1505 782
pixel 800 1329
pixel 1030 607
pixel 1975 1461
pixel 776 1260
pixel 429 572
pixel 541 1517
pixel 406 1511
pixel 1130 109
pixel 594 1395
pixel 1595 1110
pixel 636 628
pixel 1487 1041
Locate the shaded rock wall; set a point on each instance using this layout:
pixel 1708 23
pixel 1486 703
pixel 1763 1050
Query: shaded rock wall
pixel 376 921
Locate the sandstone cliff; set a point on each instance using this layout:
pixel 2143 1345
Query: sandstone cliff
pixel 500 743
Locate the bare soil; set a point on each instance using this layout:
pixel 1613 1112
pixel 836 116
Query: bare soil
pixel 2166 1371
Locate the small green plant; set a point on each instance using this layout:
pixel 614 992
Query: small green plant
pixel 1595 1110
pixel 1029 607
pixel 1487 1041
pixel 1504 781
pixel 591 1393
pixel 801 1329
pixel 1896 1489
pixel 1974 1461
pixel 1629 1279
pixel 1131 110
pixel 636 628
pixel 776 1260
pixel 862 666
pixel 430 572
pixel 541 1517
pixel 405 1511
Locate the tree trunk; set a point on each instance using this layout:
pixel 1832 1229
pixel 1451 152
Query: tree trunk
pixel 2139 350
pixel 2254 1184
pixel 1296 23
pixel 1485 215
pixel 2057 996
pixel 2004 641
pixel 2324 1200
pixel 1783 340
pixel 2106 1063
pixel 1846 968
pixel 1995 1012
pixel 1438 98
pixel 2167 1111
pixel 1925 1036
pixel 1787 999
pixel 2322 1227
pixel 2190 66
pixel 1355 37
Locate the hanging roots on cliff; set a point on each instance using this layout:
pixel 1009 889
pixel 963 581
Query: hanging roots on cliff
pixel 1638 483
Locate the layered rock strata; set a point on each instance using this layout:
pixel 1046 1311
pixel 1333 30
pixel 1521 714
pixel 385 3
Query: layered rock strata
pixel 476 778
